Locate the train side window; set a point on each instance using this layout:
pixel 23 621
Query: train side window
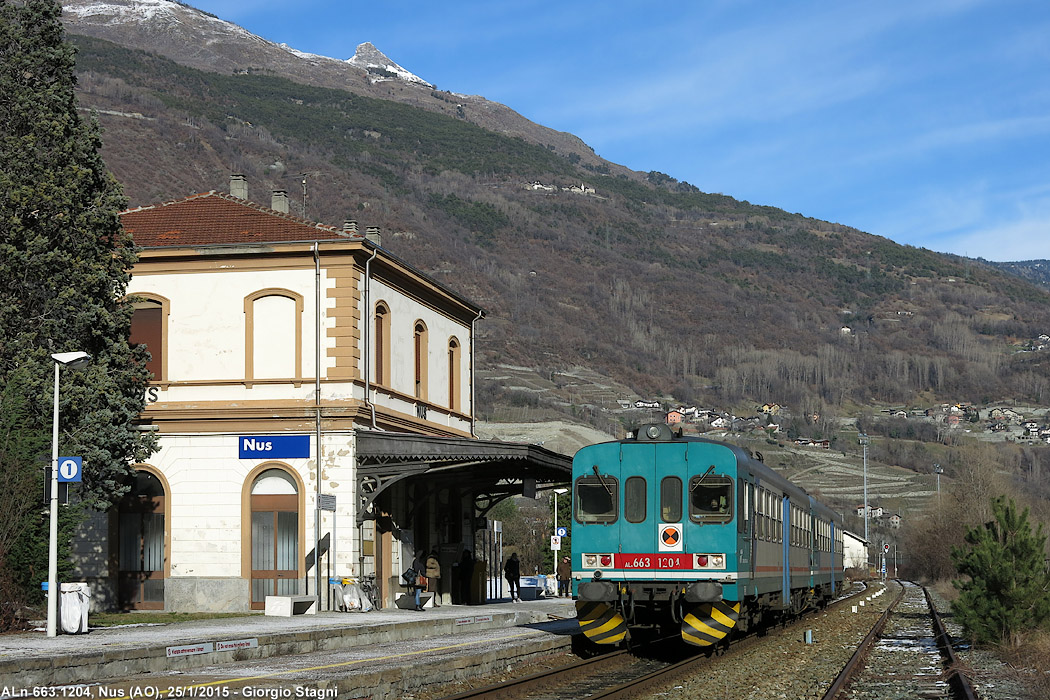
pixel 745 512
pixel 597 499
pixel 760 509
pixel 634 499
pixel 710 499
pixel 670 499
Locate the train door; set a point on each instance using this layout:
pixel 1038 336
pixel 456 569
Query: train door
pixel 653 505
pixel 785 548
pixel 834 569
pixel 745 529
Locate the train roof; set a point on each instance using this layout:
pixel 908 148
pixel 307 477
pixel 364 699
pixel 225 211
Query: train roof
pixel 753 462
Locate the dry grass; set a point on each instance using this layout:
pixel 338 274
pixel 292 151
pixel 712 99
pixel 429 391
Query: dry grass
pixel 1029 659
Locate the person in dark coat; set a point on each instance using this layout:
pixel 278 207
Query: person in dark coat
pixel 419 564
pixel 564 577
pixel 466 573
pixel 512 572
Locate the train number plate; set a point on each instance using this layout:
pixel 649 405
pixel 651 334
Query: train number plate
pixel 664 560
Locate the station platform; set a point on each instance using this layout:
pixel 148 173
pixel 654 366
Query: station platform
pixel 32 660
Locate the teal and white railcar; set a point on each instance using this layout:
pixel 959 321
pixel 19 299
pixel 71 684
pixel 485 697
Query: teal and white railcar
pixel 690 533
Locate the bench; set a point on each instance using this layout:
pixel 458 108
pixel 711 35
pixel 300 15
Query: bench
pixel 288 605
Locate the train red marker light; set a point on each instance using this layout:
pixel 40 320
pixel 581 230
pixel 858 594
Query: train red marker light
pixel 701 560
pixel 606 560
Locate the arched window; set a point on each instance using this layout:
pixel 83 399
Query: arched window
pixel 420 352
pixel 382 344
pixel 273 335
pixel 149 327
pixel 453 374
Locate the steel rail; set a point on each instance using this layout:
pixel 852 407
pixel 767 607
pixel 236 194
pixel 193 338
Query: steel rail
pixel 628 689
pixel 960 683
pixel 856 661
pixel 518 686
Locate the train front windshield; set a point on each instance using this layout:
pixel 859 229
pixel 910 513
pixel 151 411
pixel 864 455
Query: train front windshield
pixel 597 498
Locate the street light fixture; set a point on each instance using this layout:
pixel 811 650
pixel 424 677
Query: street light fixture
pixel 72 360
pixel 556 492
pixel 938 471
pixel 863 439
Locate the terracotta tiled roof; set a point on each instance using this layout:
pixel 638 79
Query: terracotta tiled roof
pixel 215 218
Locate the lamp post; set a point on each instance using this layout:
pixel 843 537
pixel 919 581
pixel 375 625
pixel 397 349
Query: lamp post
pixel 938 471
pixel 73 360
pixel 863 439
pixel 556 492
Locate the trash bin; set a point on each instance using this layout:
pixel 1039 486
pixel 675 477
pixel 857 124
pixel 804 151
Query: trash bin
pixel 73 603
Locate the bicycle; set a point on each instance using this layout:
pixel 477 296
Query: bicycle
pixel 370 590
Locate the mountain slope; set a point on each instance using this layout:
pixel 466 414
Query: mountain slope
pixel 653 286
pixel 201 40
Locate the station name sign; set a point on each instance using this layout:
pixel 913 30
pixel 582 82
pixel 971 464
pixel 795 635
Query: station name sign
pixel 273 446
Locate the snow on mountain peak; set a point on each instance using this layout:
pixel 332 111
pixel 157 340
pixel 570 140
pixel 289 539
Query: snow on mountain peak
pixel 171 13
pixel 380 67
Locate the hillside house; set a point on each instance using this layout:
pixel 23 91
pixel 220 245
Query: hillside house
pixel 313 399
pixel 674 417
pixel 874 512
pixel 1005 414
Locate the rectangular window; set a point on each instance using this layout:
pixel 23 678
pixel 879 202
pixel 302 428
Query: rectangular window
pixel 671 499
pixel 634 499
pixel 147 329
pixel 597 499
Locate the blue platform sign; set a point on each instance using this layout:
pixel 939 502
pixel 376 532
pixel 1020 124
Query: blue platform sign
pixel 70 469
pixel 273 446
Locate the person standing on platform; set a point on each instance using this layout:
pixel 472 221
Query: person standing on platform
pixel 434 577
pixel 512 572
pixel 420 566
pixel 466 573
pixel 564 578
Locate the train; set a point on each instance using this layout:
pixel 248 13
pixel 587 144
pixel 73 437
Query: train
pixel 683 534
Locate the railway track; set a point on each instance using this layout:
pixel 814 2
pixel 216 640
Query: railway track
pixel 624 673
pixel 908 654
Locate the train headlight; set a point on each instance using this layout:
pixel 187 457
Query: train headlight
pixel 710 561
pixel 590 561
pixel 653 431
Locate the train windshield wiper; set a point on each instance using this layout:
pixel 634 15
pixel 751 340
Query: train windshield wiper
pixel 608 489
pixel 698 481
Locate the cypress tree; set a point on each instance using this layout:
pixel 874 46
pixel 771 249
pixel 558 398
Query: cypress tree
pixel 65 262
pixel 1008 588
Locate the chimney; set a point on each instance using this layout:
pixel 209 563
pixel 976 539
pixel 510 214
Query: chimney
pixel 279 201
pixel 349 227
pixel 372 234
pixel 238 186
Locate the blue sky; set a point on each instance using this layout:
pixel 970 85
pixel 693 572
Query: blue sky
pixel 924 121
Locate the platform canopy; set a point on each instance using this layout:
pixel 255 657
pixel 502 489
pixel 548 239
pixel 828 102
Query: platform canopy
pixel 490 469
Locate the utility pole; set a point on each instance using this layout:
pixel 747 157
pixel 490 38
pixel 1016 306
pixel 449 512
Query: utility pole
pixel 863 439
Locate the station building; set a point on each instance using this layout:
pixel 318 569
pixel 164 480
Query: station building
pixel 313 397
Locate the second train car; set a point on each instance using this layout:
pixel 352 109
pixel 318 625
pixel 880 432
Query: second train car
pixel 686 533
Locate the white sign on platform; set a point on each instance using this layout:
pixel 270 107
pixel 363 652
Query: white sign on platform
pixel 237 644
pixel 190 650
